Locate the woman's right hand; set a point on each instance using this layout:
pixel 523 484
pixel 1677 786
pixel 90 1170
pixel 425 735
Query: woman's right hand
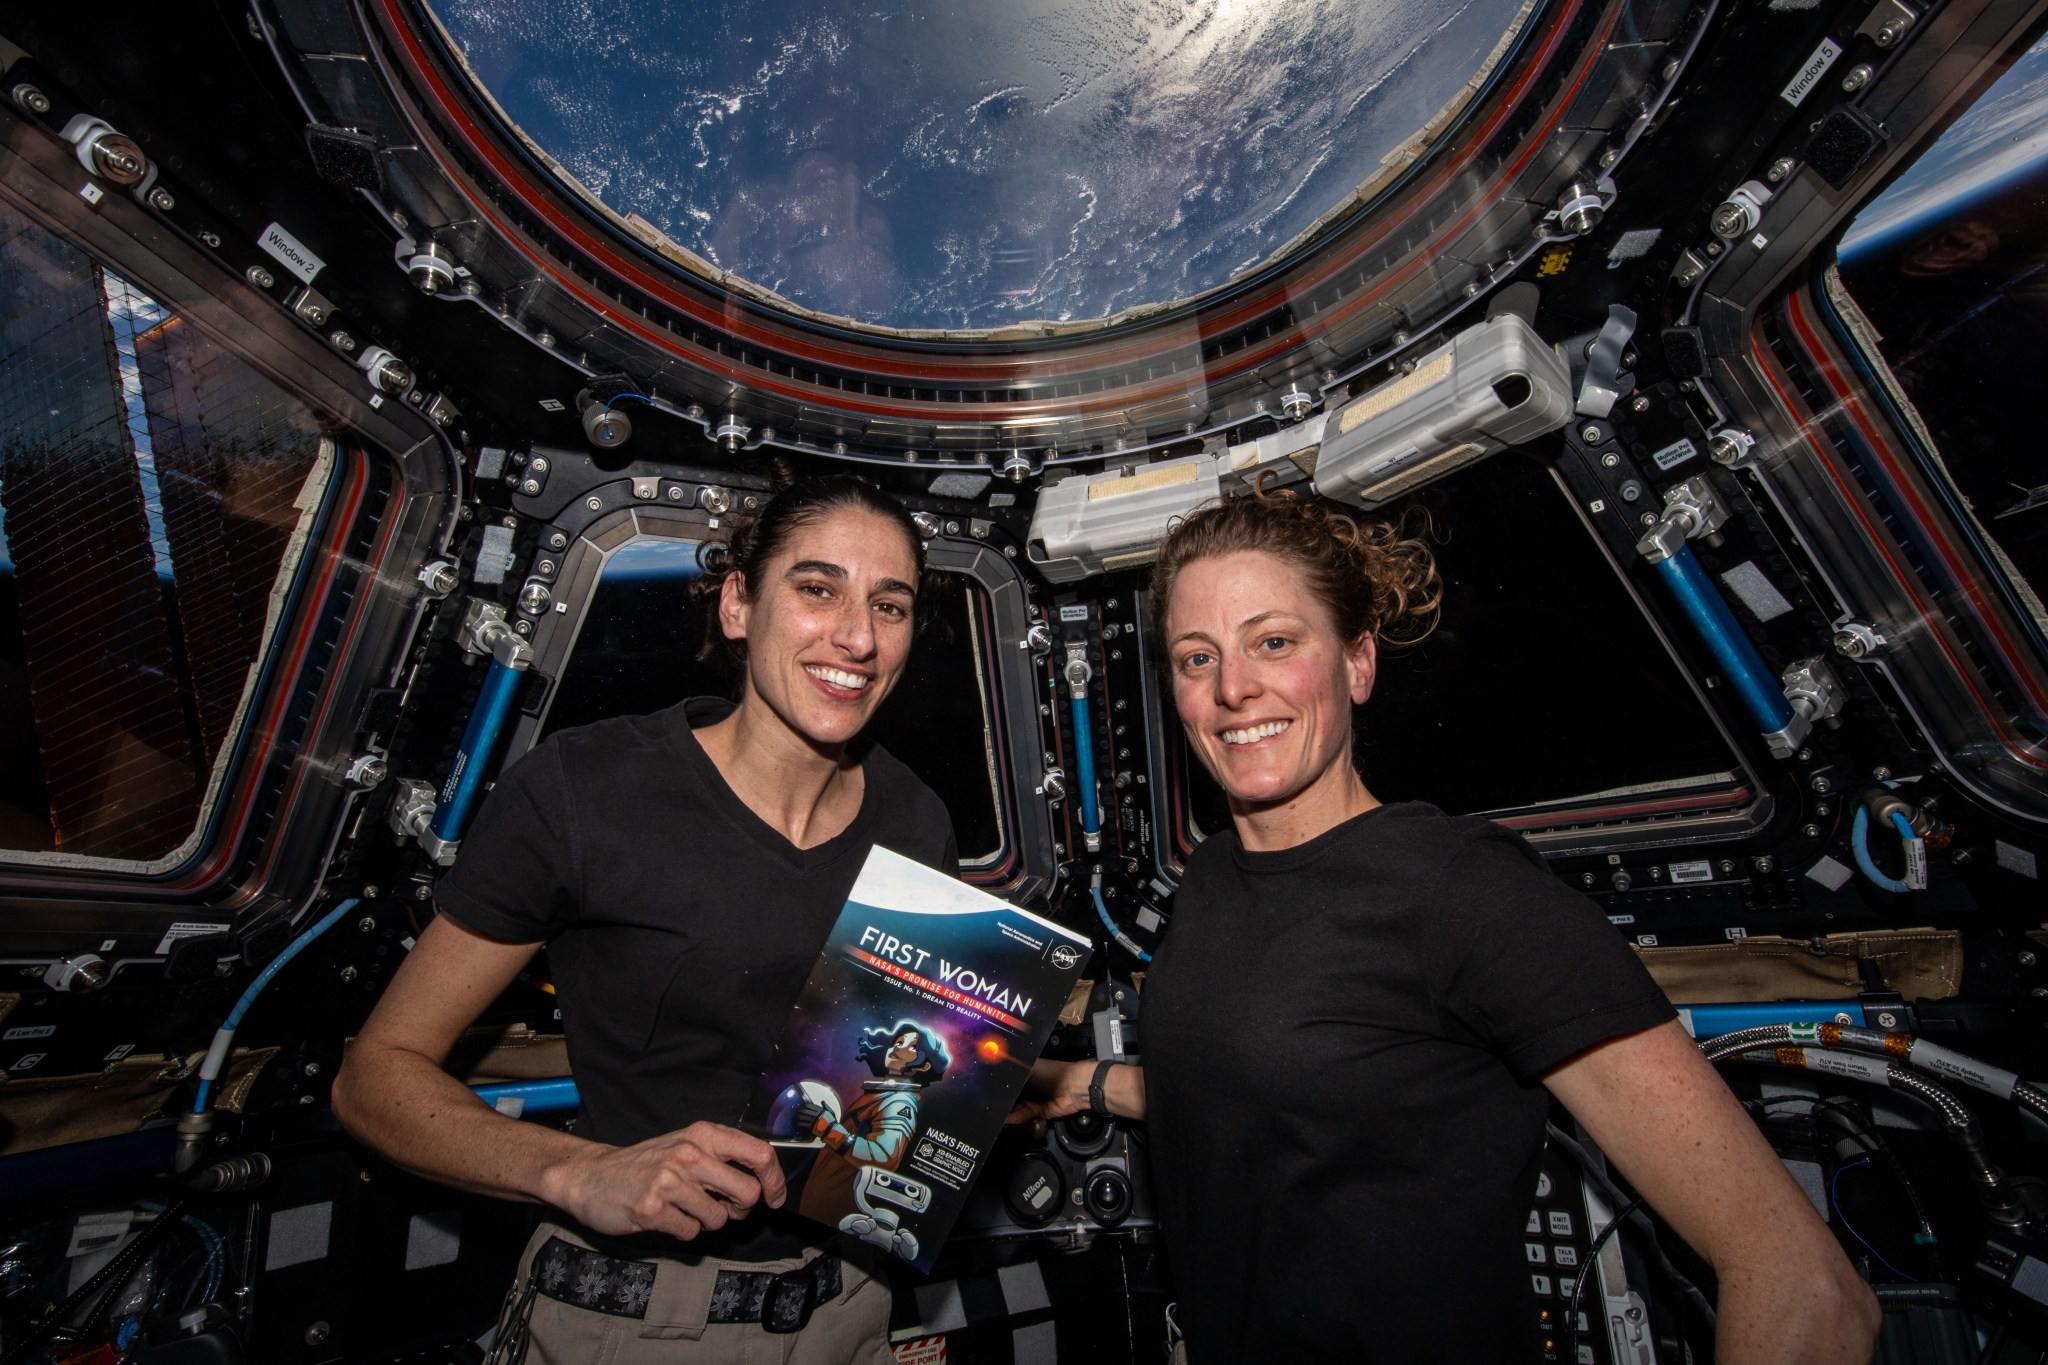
pixel 1055 1090
pixel 694 1180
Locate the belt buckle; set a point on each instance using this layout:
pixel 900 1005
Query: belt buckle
pixel 790 1299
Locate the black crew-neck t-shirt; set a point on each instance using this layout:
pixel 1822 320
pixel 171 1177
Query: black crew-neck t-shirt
pixel 680 925
pixel 1344 1046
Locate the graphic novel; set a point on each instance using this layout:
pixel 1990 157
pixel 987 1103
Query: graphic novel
pixel 909 1044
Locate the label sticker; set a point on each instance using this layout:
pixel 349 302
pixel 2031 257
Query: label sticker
pixel 1809 75
pixel 1677 453
pixel 118 1053
pixel 28 1063
pixel 187 929
pixel 1699 870
pixel 1736 935
pixel 1621 919
pixel 18 1035
pixel 1077 612
pixel 1916 864
pixel 552 405
pixel 923 1351
pixel 1646 940
pixel 290 252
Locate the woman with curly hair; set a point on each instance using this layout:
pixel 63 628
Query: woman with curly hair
pixel 1354 1031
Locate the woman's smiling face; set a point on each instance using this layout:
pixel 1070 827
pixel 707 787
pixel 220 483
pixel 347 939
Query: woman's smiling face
pixel 830 629
pixel 1263 684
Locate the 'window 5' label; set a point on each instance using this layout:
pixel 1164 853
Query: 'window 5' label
pixel 1809 75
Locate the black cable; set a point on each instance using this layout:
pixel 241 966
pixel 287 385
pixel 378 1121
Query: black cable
pixel 122 1265
pixel 1587 1270
pixel 1878 1149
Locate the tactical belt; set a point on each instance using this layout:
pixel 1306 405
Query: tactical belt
pixel 780 1301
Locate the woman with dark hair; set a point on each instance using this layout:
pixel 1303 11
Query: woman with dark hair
pixel 683 870
pixel 1354 1030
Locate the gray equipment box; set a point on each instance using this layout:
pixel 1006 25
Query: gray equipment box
pixel 1115 520
pixel 1492 386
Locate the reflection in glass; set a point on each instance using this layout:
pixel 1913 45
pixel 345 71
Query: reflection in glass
pixel 637 652
pixel 971 165
pixel 1548 687
pixel 1950 264
pixel 150 488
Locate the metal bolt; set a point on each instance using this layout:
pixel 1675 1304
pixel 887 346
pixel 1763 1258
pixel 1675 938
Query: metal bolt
pixel 1810 831
pixel 423 893
pixel 1590 433
pixel 1631 491
pixel 1780 169
pixel 675 492
pixel 1295 404
pixel 1648 518
pixel 1881 773
pixel 594 503
pixel 1728 221
pixel 2027 957
pixel 530 487
pixel 344 343
pixel 260 277
pixel 31 99
pixel 1763 863
pixel 538 464
pixel 1858 77
pixel 219 969
pixel 1724 449
pixel 160 199
pixel 1639 403
pixel 558 541
pixel 348 974
pixel 367 924
pixel 545 337
pixel 1820 784
pixel 1580 209
pixel 1609 460
pixel 370 891
pixel 318 1333
pixel 311 1068
pixel 1727 866
pixel 716 501
pixel 545 566
pixel 1887 1019
pixel 211 239
pixel 1892 30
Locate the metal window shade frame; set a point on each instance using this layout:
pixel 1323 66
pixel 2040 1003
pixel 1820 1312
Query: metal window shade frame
pixel 252 861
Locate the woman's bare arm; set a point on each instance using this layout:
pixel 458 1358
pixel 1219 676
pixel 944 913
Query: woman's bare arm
pixel 394 1096
pixel 1662 1115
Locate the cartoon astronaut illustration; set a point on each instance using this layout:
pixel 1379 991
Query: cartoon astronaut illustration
pixel 872 1134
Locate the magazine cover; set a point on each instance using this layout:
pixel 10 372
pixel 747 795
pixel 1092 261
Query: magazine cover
pixel 909 1044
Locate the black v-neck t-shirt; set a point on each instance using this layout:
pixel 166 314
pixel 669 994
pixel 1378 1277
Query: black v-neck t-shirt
pixel 680 926
pixel 1344 1050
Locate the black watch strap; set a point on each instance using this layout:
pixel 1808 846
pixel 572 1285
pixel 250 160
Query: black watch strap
pixel 1098 1103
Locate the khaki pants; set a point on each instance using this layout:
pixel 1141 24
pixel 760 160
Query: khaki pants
pixel 852 1329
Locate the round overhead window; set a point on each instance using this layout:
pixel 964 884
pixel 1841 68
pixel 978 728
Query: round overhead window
pixel 975 165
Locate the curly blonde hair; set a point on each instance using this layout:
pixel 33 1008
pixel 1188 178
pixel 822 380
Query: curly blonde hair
pixel 1377 577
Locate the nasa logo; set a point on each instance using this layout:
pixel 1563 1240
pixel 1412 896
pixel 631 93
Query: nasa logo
pixel 1065 956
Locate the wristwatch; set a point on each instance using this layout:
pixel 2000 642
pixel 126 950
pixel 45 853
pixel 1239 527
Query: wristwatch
pixel 1098 1103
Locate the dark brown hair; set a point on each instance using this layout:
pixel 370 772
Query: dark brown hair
pixel 755 540
pixel 1377 577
